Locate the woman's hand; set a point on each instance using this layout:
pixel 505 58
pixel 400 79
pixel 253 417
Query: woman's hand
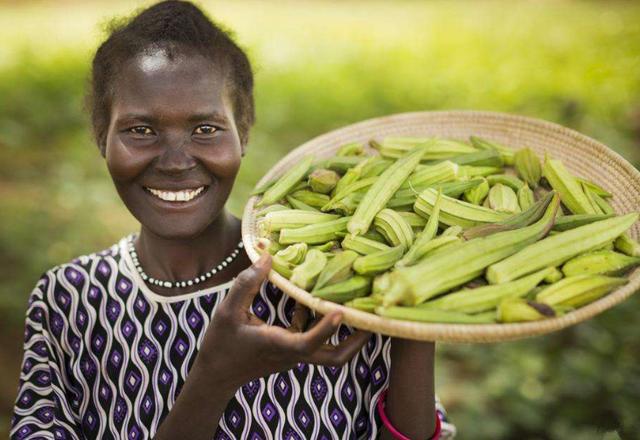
pixel 239 347
pixel 236 338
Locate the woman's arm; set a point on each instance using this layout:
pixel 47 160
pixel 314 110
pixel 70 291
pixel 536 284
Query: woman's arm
pixel 410 402
pixel 239 347
pixel 43 406
pixel 199 405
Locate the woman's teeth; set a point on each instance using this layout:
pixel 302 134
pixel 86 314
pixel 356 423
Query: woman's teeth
pixel 177 196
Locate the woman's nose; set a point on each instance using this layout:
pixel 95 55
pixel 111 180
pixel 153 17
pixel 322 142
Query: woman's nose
pixel 175 158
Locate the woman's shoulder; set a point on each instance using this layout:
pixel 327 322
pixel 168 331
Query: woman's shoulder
pixel 76 273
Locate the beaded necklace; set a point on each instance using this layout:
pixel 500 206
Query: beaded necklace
pixel 186 283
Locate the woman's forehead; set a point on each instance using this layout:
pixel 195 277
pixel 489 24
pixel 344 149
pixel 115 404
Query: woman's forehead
pixel 159 81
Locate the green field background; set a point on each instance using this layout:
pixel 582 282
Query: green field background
pixel 319 66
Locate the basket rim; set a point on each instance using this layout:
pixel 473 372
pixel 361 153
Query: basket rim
pixel 466 333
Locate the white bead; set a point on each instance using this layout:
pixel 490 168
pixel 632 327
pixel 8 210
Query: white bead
pixel 241 245
pixel 196 281
pixel 208 274
pixel 224 264
pixel 144 276
pixel 190 283
pixel 151 280
pixel 229 259
pixel 167 284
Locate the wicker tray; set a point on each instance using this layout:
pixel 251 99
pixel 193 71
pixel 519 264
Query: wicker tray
pixel 582 155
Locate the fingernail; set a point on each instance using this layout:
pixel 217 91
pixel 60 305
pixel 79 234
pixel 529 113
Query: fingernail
pixel 336 319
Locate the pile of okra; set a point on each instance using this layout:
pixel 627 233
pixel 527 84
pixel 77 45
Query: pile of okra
pixel 442 230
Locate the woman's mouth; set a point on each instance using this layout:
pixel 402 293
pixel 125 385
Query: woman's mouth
pixel 182 195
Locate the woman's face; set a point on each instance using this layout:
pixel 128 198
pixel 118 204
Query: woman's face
pixel 172 147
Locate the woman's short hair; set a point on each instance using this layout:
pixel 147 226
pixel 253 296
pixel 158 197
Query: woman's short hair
pixel 176 27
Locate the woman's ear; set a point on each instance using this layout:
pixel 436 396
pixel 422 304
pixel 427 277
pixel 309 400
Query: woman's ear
pixel 103 149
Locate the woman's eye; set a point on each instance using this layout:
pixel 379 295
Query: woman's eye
pixel 205 129
pixel 141 130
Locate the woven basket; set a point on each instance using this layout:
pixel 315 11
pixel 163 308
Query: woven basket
pixel 584 156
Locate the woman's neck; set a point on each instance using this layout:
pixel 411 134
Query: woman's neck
pixel 184 259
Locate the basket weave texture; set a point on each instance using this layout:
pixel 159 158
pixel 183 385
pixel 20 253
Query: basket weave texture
pixel 582 155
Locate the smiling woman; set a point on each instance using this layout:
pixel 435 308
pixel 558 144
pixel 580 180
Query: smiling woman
pixel 171 333
pixel 172 146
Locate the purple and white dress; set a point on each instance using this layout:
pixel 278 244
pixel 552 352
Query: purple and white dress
pixel 105 357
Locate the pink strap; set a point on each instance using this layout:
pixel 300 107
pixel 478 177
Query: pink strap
pixel 394 432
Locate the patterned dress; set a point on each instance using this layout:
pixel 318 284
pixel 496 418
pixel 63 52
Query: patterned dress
pixel 105 357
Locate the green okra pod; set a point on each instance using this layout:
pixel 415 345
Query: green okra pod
pixel 393 228
pixel 484 144
pixel 528 166
pixel 471 171
pixel 428 175
pixel 323 181
pixel 572 221
pixel 351 149
pixel 279 189
pixel 355 187
pixel 382 190
pixel 379 261
pixel 521 310
pixel 477 194
pixel 366 303
pixel 306 274
pixel 571 193
pixel 485 298
pixel 362 245
pixel 553 276
pixel 293 218
pixel 336 270
pixel 417 249
pixel 578 290
pixel 346 290
pixel 602 262
pixel 315 234
pixel 481 158
pixel 431 315
pixel 555 250
pixel 627 245
pixel 339 164
pixel 597 189
pixel 313 199
pixel 525 197
pixel 271 208
pixel 442 271
pixel 294 253
pixel 298 204
pixel 456 212
pixel 503 199
pixel 435 149
pixel 414 220
pixel 505 179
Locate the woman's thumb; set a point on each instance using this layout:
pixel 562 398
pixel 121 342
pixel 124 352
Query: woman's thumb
pixel 248 282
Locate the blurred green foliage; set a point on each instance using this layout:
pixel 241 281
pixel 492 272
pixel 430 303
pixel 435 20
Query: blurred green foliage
pixel 319 66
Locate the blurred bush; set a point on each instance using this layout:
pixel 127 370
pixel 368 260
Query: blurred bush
pixel 319 66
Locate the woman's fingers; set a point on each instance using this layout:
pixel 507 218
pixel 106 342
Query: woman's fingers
pixel 338 355
pixel 301 345
pixel 247 284
pixel 311 347
pixel 299 318
pixel 313 338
